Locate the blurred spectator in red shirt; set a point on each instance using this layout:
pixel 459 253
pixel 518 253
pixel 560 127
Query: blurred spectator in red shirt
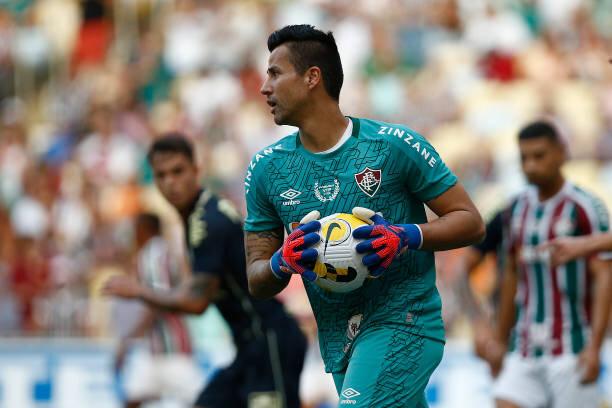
pixel 94 35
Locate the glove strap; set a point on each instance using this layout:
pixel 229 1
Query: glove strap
pixel 414 235
pixel 275 264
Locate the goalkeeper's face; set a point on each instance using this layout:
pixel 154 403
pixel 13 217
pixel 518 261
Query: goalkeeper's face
pixel 285 89
pixel 176 178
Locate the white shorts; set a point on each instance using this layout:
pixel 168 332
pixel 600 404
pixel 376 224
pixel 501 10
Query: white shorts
pixel 316 386
pixel 544 382
pixel 174 376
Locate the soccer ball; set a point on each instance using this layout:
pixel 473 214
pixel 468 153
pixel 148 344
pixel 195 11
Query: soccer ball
pixel 339 267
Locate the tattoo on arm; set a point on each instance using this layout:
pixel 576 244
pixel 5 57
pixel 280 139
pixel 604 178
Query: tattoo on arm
pixel 261 245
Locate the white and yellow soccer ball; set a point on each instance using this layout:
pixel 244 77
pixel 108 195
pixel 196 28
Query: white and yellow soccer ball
pixel 339 267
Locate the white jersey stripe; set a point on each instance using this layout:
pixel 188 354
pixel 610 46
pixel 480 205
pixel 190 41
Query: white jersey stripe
pixel 544 228
pixel 562 282
pixel 522 292
pixel 529 275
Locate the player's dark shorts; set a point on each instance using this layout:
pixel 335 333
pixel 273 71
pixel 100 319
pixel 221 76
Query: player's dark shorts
pixel 265 372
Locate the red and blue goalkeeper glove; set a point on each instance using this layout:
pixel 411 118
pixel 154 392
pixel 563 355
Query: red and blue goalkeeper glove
pixel 383 241
pixel 296 254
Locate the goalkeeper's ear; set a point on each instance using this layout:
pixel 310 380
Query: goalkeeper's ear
pixel 311 216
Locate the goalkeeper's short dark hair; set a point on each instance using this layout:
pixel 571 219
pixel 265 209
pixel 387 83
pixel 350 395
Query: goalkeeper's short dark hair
pixel 310 47
pixel 173 142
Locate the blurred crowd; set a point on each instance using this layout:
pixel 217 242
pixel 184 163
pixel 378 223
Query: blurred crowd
pixel 85 86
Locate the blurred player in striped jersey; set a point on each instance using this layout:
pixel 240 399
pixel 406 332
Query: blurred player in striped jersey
pixel 171 371
pixel 554 339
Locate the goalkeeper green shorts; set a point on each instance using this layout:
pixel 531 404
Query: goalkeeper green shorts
pixel 389 367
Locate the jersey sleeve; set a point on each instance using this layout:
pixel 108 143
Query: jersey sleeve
pixel 426 174
pixel 208 247
pixel 261 215
pixel 594 219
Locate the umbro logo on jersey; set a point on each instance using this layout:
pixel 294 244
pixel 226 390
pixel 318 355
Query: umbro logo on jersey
pixel 349 394
pixel 369 181
pixel 290 195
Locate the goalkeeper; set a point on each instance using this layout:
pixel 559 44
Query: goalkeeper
pixel 270 345
pixel 383 341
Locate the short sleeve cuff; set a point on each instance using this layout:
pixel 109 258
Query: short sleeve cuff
pixel 605 256
pixel 435 190
pixel 261 226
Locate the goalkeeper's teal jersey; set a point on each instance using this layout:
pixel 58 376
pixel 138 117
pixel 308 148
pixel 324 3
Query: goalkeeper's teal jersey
pixel 385 167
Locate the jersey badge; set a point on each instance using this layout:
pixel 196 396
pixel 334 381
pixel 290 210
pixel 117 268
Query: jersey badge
pixel 369 181
pixel 327 190
pixel 353 326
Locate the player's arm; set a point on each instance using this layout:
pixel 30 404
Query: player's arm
pixel 564 249
pixel 601 301
pixel 201 286
pixel 598 243
pixel 259 248
pixel 474 309
pixel 431 182
pixel 590 356
pixel 506 314
pixel 459 223
pixel 466 265
pixel 193 295
pixel 492 346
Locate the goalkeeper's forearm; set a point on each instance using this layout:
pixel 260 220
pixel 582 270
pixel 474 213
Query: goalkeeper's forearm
pixel 262 282
pixel 460 223
pixel 453 230
pixel 259 248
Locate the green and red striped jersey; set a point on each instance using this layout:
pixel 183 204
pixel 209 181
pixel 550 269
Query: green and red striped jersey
pixel 160 270
pixel 553 303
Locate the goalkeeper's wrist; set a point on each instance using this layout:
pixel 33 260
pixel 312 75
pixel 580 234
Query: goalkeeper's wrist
pixel 414 236
pixel 275 263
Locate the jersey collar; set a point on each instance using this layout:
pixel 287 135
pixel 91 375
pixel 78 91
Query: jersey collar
pixel 336 149
pixel 347 133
